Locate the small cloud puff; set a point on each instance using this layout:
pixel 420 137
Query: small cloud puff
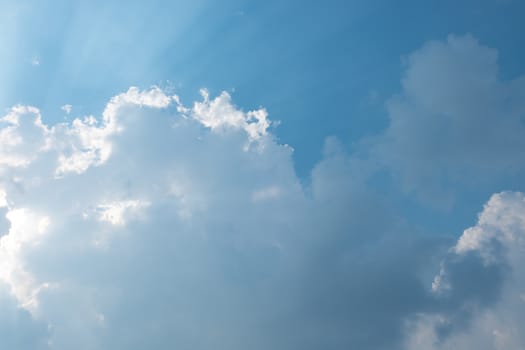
pixel 67 108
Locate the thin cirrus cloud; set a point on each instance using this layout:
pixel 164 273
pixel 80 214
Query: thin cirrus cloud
pixel 166 225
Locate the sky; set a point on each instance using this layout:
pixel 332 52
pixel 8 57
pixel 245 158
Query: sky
pixel 262 175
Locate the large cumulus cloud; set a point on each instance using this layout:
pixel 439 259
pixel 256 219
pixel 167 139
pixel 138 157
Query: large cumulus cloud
pixel 163 225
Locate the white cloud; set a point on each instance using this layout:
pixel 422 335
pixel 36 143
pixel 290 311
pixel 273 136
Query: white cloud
pixel 499 239
pixel 503 221
pixel 177 188
pixel 67 108
pixel 220 113
pixel 455 122
pixel 161 223
pixel 118 212
pixel 26 230
pixel 22 137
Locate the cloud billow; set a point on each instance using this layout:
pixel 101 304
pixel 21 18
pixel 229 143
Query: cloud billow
pixel 455 123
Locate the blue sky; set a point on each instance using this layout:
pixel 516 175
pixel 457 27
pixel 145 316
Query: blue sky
pixel 326 67
pixel 241 174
